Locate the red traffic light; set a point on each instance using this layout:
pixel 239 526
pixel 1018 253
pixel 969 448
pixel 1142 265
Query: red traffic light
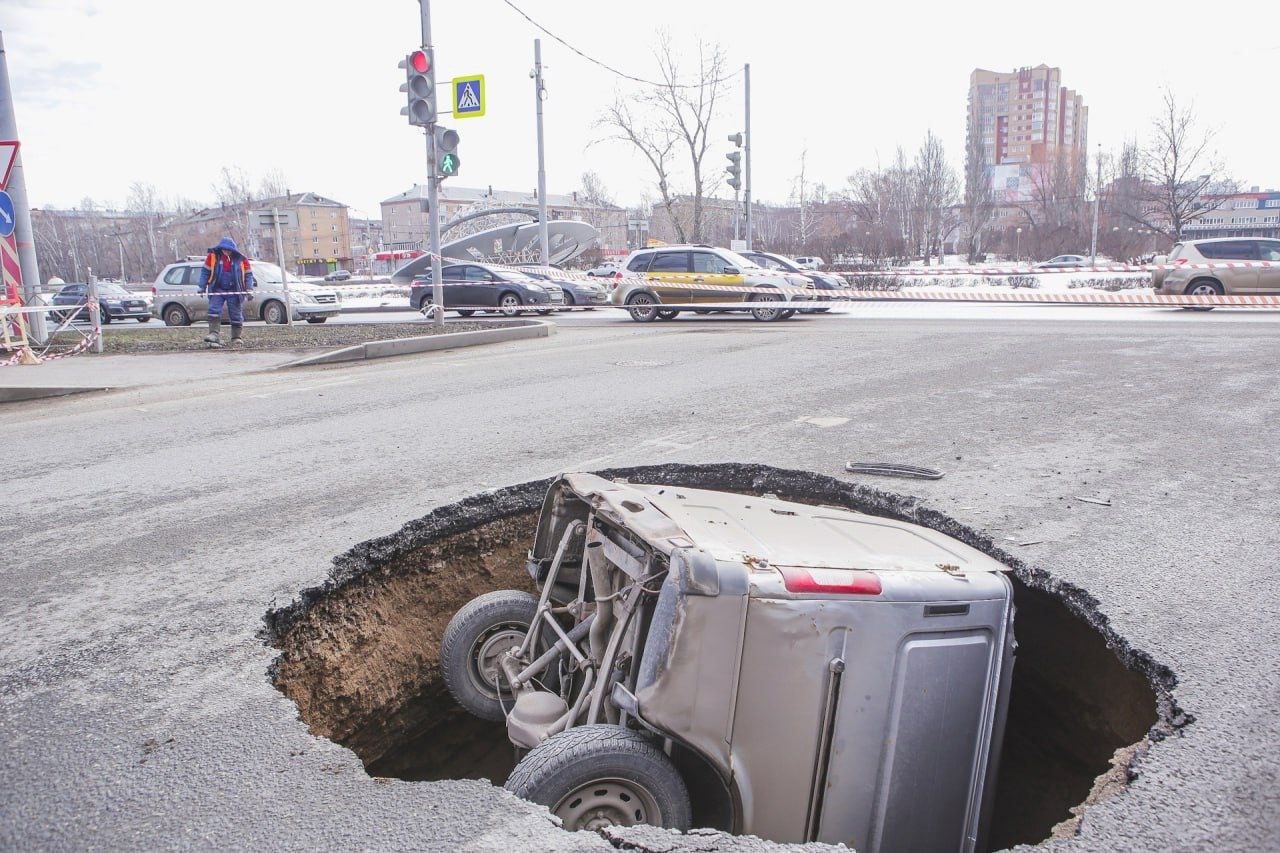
pixel 419 61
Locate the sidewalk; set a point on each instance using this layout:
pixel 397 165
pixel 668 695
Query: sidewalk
pixel 99 372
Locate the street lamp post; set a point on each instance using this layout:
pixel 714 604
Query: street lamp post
pixel 1017 244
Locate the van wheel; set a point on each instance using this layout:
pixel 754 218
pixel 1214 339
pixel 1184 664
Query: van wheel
pixel 176 315
pixel 642 307
pixel 273 312
pixel 600 775
pixel 1202 287
pixel 474 642
pixel 767 315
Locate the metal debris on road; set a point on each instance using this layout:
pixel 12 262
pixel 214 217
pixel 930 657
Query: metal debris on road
pixel 1098 501
pixel 893 469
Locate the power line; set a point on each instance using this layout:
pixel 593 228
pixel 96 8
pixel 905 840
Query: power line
pixel 610 68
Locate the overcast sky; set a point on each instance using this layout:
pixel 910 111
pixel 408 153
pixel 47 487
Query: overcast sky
pixel 170 92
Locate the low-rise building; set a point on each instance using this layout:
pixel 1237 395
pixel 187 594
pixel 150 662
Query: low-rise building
pixel 1255 213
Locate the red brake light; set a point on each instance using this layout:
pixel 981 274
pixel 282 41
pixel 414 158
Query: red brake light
pixel 418 59
pixel 842 581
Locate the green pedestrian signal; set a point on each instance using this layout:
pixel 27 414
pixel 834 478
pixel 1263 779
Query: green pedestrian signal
pixel 448 163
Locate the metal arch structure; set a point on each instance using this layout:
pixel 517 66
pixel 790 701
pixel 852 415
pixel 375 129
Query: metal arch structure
pixel 491 233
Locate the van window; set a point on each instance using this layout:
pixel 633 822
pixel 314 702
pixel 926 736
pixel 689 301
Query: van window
pixel 670 262
pixel 1229 250
pixel 1269 250
pixel 640 263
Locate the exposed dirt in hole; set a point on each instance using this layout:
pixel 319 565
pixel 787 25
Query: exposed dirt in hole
pixel 359 655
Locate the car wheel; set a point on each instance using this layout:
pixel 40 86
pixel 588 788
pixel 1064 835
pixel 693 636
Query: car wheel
pixel 465 313
pixel 509 304
pixel 105 317
pixel 767 315
pixel 273 312
pixel 1202 287
pixel 473 644
pixel 176 315
pixel 788 314
pixel 668 314
pixel 568 300
pixel 642 307
pixel 544 312
pixel 144 319
pixel 316 319
pixel 821 310
pixel 601 775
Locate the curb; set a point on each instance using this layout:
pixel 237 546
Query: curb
pixel 426 343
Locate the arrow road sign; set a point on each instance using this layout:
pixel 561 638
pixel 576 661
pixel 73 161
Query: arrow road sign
pixel 6 214
pixel 468 96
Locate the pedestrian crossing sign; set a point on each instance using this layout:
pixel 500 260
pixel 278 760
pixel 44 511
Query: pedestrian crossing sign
pixel 468 96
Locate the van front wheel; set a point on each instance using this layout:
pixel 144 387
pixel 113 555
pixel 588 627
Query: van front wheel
pixel 601 775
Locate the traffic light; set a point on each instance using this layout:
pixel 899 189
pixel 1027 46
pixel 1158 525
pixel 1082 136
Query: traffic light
pixel 448 163
pixel 734 169
pixel 420 85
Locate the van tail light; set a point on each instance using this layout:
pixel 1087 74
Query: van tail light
pixel 839 581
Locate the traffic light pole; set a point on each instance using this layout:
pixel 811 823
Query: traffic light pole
pixel 746 144
pixel 433 187
pixel 543 240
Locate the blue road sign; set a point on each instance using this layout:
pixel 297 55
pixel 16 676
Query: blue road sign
pixel 7 216
pixel 468 96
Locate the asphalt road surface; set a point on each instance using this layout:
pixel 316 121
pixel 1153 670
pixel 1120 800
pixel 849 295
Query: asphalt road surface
pixel 147 530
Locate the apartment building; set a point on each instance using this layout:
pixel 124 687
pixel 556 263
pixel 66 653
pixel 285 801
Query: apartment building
pixel 319 242
pixel 1246 214
pixel 1024 125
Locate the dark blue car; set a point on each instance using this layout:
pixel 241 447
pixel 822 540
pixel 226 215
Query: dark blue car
pixel 114 303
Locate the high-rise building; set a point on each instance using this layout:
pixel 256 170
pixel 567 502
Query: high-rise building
pixel 1026 127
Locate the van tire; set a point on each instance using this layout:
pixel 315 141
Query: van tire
pixel 478 628
pixel 176 315
pixel 603 775
pixel 274 308
pixel 1202 287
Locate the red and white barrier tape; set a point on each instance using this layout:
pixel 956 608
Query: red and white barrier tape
pixel 910 272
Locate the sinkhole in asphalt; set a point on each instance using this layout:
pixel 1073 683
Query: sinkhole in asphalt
pixel 359 656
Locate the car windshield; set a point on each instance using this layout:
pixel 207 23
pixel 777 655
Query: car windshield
pixel 737 260
pixel 511 275
pixel 266 273
pixel 112 290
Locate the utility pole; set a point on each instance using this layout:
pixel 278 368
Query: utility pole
pixel 1097 195
pixel 120 240
pixel 95 310
pixel 539 92
pixel 746 141
pixel 433 186
pixel 284 270
pixel 17 190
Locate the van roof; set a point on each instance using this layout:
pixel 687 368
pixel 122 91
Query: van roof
pixel 733 527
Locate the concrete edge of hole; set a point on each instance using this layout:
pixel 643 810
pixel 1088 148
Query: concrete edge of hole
pixel 496 504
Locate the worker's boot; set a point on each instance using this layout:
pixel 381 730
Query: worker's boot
pixel 213 340
pixel 236 332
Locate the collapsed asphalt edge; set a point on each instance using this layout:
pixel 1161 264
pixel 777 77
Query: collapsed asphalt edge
pixel 495 504
pixel 426 343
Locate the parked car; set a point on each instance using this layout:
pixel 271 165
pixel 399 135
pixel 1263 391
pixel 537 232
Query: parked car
pixel 1063 261
pixel 338 275
pixel 810 262
pixel 668 271
pixel 177 301
pixel 1184 278
pixel 472 287
pixel 790 671
pixel 114 303
pixel 576 291
pixel 821 280
pixel 608 268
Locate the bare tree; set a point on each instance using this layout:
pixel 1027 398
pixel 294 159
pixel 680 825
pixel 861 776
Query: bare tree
pixel 675 116
pixel 594 192
pixel 936 191
pixel 1181 174
pixel 979 198
pixel 273 184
